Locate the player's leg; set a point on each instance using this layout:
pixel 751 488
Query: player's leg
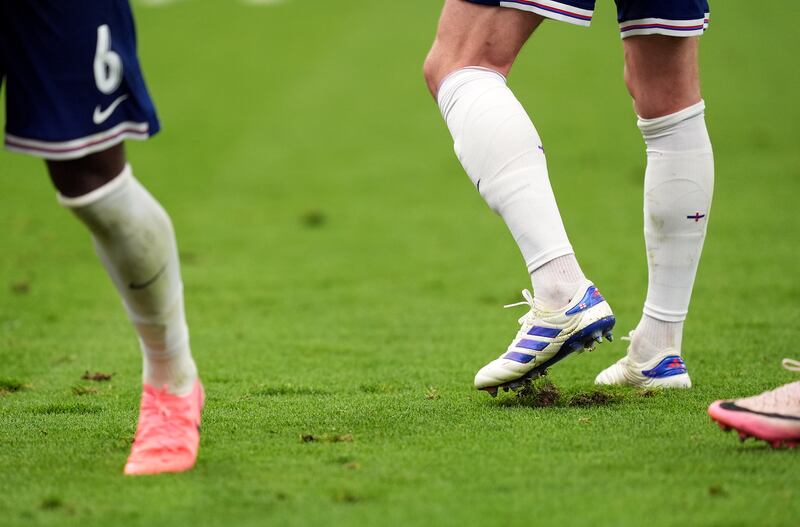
pixel 74 93
pixel 661 72
pixel 134 238
pixel 501 151
pixel 773 416
pixel 81 176
pixel 477 36
pixel 496 141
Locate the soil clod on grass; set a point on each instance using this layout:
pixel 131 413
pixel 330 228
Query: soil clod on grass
pixel 537 395
pixel 96 376
pixel 20 287
pixel 326 438
pixel 542 393
pixel 717 491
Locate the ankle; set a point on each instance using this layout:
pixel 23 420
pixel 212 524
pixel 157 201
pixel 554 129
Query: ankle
pixel 178 373
pixel 555 283
pixel 653 337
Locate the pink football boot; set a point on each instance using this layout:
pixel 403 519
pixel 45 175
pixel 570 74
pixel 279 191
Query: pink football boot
pixel 168 433
pixel 773 416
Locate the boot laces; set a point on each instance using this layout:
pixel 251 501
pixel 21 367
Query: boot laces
pixel 164 422
pixel 529 317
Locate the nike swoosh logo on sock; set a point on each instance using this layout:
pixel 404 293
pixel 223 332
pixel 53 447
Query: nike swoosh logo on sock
pixel 100 116
pixel 142 285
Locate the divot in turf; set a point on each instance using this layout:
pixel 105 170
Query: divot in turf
pixel 11 386
pixel 545 394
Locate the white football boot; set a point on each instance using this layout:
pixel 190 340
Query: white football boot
pixel 545 337
pixel 665 370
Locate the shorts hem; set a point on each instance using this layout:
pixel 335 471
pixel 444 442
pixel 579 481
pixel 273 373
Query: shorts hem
pixel 553 10
pixel 663 26
pixel 77 148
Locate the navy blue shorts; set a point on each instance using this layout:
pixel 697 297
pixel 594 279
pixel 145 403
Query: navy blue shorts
pixel 676 18
pixel 72 77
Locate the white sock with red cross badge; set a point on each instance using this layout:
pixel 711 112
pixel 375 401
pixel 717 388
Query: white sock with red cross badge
pixel 678 187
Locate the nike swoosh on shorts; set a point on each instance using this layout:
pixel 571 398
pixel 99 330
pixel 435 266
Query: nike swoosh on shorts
pixel 100 116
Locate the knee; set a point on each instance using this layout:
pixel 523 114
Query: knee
pixel 652 102
pixel 78 177
pixel 438 66
pixel 660 95
pixel 432 70
pixel 661 74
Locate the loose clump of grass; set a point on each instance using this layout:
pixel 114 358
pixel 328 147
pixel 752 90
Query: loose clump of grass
pixel 83 390
pixel 432 393
pixel 326 438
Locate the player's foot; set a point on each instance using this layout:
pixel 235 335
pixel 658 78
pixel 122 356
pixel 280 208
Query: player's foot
pixel 665 369
pixel 772 416
pixel 168 433
pixel 545 337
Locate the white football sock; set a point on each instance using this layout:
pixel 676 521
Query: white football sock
pixel 502 154
pixel 556 281
pixel 661 336
pixel 678 187
pixel 134 238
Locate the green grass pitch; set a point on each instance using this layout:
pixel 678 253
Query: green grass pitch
pixel 344 283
